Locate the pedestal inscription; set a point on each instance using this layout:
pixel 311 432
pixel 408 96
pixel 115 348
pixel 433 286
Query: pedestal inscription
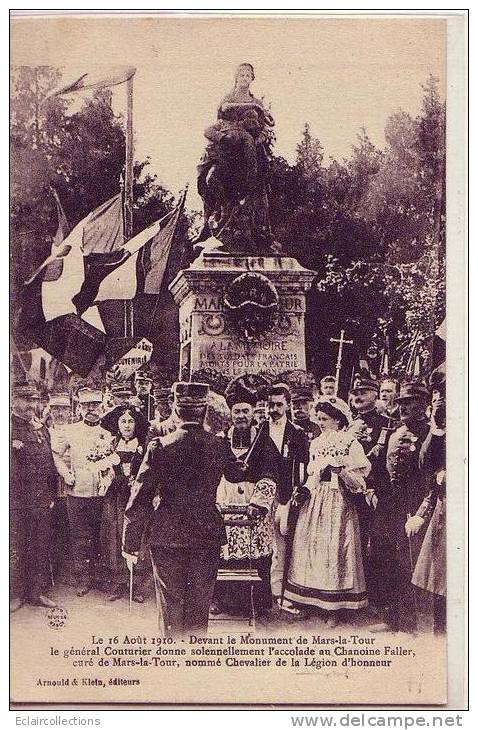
pixel 212 339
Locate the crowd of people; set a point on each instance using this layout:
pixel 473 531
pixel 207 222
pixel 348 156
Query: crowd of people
pixel 320 505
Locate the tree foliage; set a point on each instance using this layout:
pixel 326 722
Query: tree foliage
pixel 373 227
pixel 77 147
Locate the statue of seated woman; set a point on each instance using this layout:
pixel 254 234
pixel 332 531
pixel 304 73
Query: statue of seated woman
pixel 232 172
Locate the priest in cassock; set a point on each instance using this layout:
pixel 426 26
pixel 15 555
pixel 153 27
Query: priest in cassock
pixel 250 481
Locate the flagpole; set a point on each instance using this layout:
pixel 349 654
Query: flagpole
pixel 128 194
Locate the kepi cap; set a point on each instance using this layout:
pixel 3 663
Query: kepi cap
pixel 25 390
pixel 190 394
pixel 90 395
pixel 59 400
pixel 413 390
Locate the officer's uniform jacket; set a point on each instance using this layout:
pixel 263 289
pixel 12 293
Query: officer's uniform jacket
pixel 183 470
pixel 409 483
pixel 33 472
pixel 87 445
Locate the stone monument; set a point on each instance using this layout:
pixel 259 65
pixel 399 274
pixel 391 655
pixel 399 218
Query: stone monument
pixel 241 304
pixel 245 336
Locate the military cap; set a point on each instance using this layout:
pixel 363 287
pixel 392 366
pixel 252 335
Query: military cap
pixel 161 393
pixel 25 390
pixel 364 382
pixel 190 394
pixel 121 388
pixel 90 395
pixel 413 390
pixel 141 377
pixel 59 400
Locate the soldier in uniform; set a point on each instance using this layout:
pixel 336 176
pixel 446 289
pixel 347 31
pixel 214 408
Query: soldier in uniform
pixel 181 473
pixel 143 385
pixel 409 485
pixel 121 393
pixel 88 443
pixel 370 429
pixel 301 404
pixel 32 496
pixel 60 416
pixel 164 421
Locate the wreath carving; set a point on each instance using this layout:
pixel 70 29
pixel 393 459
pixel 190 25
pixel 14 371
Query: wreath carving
pixel 251 301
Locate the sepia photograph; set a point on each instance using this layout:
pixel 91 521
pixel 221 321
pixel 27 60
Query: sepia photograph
pixel 228 357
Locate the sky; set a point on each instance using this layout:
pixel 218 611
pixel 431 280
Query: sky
pixel 338 74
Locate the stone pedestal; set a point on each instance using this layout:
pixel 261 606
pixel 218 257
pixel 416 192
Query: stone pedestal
pixel 209 338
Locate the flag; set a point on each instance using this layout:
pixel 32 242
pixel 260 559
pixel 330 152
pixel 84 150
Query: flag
pixel 111 76
pixel 101 229
pixel 142 265
pixel 53 271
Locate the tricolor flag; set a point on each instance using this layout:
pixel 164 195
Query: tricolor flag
pixel 108 76
pixel 137 268
pixel 53 271
pixel 101 230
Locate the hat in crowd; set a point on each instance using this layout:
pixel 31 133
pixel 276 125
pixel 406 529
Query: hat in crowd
pixel 141 377
pixel 59 400
pixel 123 388
pixel 111 419
pixel 302 392
pixel 25 390
pixel 413 390
pixel 190 394
pixel 364 382
pixel 327 379
pixel 236 392
pixel 90 395
pixel 161 394
pixel 334 407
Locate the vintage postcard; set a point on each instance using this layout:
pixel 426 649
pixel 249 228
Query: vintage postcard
pixel 229 359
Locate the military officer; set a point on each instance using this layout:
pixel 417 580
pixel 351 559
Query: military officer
pixel 32 496
pixel 373 430
pixel 409 485
pixel 301 404
pixel 87 442
pixel 143 385
pixel 181 473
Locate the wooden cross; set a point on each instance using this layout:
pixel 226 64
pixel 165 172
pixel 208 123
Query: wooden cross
pixel 341 342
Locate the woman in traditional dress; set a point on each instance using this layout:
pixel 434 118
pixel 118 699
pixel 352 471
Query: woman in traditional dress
pixel 129 428
pixel 326 568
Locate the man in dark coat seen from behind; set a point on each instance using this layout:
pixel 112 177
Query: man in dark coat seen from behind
pixel 180 473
